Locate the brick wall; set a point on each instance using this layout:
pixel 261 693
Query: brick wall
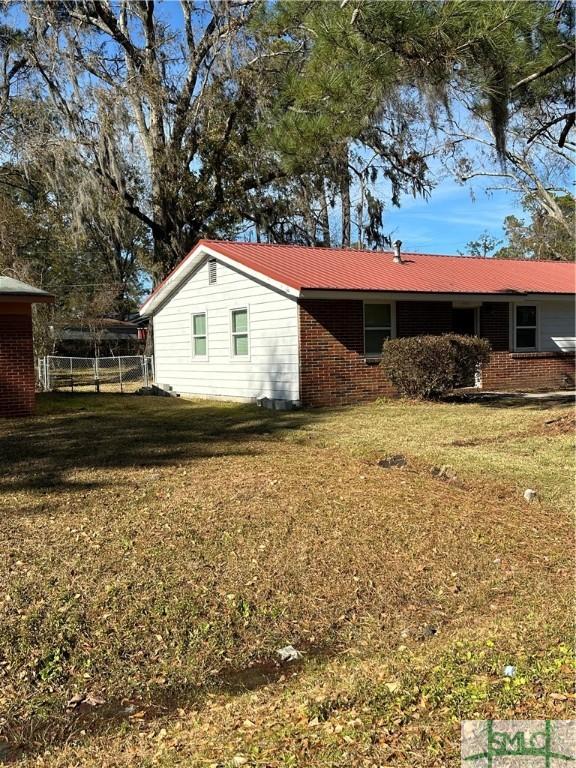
pixel 333 370
pixel 519 370
pixel 494 324
pixel 529 371
pixel 16 361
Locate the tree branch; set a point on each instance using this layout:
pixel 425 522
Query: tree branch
pixel 568 116
pixel 543 72
pixel 565 131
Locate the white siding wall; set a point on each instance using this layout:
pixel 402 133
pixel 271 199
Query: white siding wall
pixel 556 326
pixel 272 369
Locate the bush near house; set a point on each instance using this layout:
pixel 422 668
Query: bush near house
pixel 429 366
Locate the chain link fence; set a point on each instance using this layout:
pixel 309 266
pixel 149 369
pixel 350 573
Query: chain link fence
pixel 94 374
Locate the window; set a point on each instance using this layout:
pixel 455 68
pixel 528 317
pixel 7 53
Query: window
pixel 212 275
pixel 377 327
pixel 240 343
pixel 525 327
pixel 199 335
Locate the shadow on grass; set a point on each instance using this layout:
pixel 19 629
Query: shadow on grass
pixel 90 432
pixel 512 400
pixel 65 726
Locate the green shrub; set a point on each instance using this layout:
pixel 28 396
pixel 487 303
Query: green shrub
pixel 430 366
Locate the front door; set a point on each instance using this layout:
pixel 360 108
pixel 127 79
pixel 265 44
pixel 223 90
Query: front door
pixel 464 321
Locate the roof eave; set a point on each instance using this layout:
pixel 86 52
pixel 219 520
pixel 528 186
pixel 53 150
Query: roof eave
pixel 29 298
pixel 432 295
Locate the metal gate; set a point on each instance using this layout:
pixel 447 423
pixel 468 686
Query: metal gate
pixel 95 374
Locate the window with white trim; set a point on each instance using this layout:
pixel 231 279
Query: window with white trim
pixel 525 327
pixel 199 335
pixel 240 334
pixel 377 327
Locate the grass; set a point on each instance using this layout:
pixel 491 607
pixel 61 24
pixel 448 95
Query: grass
pixel 158 552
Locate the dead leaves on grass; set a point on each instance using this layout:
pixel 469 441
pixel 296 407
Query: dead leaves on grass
pixel 175 577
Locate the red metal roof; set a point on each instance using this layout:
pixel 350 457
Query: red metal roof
pixel 302 268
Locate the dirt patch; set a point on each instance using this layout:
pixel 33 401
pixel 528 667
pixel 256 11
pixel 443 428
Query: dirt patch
pixel 565 425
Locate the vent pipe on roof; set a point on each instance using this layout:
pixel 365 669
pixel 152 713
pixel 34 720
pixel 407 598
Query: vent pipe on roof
pixel 397 257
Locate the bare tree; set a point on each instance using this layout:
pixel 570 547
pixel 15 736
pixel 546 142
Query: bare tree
pixel 128 90
pixel 538 170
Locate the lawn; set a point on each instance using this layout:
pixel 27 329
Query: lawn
pixel 158 552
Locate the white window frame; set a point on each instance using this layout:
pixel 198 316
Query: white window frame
pixel 195 336
pixel 240 358
pixel 536 328
pixel 391 327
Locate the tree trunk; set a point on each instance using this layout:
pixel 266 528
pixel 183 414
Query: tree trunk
pixel 324 220
pixel 308 215
pixel 345 198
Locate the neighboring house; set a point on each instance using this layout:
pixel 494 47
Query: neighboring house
pixel 17 378
pixel 244 321
pixel 102 336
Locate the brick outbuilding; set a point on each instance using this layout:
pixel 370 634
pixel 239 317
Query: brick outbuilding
pixel 17 381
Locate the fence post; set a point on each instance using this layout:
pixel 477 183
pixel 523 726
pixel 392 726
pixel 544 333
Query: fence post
pixel 71 375
pixel 144 371
pixel 47 372
pixel 96 375
pixel 120 372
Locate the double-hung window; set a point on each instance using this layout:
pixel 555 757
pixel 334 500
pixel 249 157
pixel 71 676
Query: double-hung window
pixel 377 327
pixel 526 328
pixel 240 333
pixel 199 335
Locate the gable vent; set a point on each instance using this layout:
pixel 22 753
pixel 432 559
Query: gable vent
pixel 212 276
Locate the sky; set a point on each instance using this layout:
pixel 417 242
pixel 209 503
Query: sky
pixel 452 216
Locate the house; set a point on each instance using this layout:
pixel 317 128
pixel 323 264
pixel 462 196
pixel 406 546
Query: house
pixel 98 335
pixel 244 321
pixel 17 379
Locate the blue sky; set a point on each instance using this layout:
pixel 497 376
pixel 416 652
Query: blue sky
pixel 451 217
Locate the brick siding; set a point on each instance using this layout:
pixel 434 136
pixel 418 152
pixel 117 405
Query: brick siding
pixel 420 318
pixel 333 370
pixel 495 323
pixel 529 371
pixel 519 370
pixel 16 364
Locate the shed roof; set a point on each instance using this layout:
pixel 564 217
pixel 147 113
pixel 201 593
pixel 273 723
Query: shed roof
pixel 16 289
